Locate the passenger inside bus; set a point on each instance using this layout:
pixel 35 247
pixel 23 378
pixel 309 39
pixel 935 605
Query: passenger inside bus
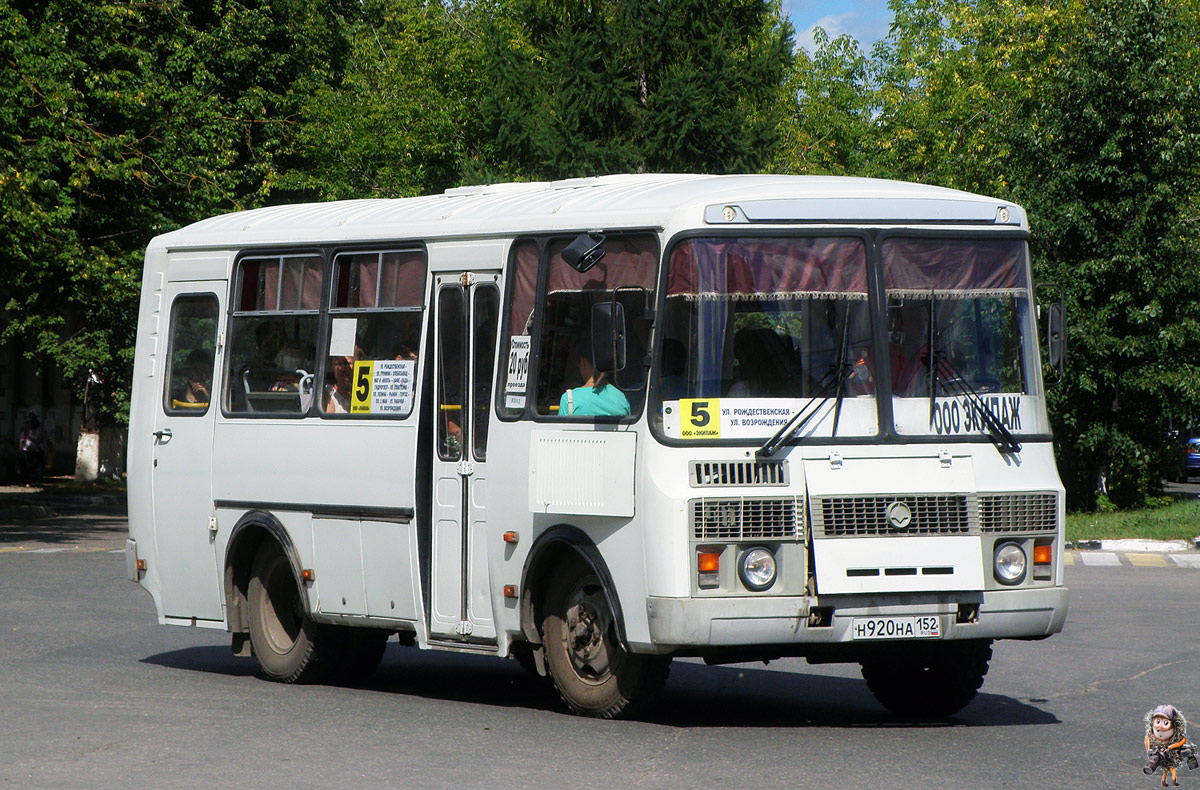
pixel 766 367
pixel 596 397
pixel 337 393
pixel 290 361
pixel 194 390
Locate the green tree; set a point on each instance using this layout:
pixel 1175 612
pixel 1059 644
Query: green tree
pixel 400 121
pixel 831 127
pixel 582 88
pixel 1108 162
pixel 954 80
pixel 1087 114
pixel 121 120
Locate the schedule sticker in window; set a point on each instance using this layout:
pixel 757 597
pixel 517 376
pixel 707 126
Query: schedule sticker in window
pixel 383 386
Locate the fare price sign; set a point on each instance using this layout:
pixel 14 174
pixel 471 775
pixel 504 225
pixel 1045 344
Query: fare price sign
pixel 383 386
pixel 517 380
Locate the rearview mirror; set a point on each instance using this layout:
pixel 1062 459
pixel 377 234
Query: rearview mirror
pixel 1056 337
pixel 585 252
pixel 1056 330
pixel 608 336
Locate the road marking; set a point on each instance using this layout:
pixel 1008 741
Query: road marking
pixel 1187 560
pixel 1099 558
pixel 12 548
pixel 1147 560
pixel 1069 558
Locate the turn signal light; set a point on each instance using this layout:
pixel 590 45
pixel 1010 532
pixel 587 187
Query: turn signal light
pixel 511 537
pixel 1043 555
pixel 141 565
pixel 708 562
pixel 308 575
pixel 510 591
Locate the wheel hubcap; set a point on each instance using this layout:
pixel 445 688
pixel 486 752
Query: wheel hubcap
pixel 587 625
pixel 282 618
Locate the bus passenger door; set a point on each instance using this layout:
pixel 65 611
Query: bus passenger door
pixel 466 319
pixel 182 451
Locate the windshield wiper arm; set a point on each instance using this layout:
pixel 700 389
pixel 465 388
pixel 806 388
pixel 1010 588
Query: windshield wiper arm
pixel 790 428
pixel 803 416
pixel 1001 436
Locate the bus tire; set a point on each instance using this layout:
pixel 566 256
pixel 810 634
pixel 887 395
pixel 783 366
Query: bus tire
pixel 934 680
pixel 361 653
pixel 594 674
pixel 289 646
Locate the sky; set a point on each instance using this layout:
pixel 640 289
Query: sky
pixel 865 20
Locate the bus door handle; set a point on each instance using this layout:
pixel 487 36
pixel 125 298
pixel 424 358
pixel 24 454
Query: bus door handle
pixel 163 436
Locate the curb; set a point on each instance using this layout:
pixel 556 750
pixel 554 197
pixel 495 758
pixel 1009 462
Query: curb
pixel 1135 546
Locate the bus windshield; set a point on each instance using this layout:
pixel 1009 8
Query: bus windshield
pixel 959 326
pixel 757 329
pixel 766 326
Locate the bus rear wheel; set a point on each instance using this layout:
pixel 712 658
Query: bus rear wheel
pixel 594 674
pixel 362 651
pixel 932 680
pixel 289 645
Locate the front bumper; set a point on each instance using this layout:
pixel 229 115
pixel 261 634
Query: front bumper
pixel 683 623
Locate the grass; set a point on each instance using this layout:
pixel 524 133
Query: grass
pixel 1180 520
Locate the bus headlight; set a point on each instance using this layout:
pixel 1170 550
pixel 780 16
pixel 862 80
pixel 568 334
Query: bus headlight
pixel 756 569
pixel 1008 563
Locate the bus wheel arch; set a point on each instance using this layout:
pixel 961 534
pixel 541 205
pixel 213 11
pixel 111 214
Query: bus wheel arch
pixel 553 547
pixel 249 534
pixel 267 605
pixel 571 609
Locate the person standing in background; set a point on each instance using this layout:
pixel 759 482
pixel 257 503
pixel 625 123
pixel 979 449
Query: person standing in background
pixel 32 445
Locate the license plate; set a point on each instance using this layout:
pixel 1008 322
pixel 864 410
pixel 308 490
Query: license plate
pixel 897 627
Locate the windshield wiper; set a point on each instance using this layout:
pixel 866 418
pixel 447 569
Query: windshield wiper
pixel 790 428
pixel 803 416
pixel 1000 436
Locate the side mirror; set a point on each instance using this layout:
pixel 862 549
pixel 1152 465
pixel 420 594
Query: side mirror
pixel 608 336
pixel 1056 336
pixel 1056 331
pixel 585 252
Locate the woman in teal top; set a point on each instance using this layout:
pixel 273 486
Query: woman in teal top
pixel 595 397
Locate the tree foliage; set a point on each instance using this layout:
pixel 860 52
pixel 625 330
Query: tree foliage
pixel 121 120
pixel 403 118
pixel 581 88
pixel 1087 114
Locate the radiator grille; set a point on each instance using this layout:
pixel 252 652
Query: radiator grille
pixel 1018 512
pixel 737 518
pixel 867 515
pixel 714 474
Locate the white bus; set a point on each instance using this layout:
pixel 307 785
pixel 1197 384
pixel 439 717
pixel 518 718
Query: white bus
pixel 599 423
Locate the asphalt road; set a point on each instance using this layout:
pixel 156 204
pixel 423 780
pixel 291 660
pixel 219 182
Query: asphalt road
pixel 95 694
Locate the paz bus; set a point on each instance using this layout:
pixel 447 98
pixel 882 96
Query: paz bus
pixel 599 423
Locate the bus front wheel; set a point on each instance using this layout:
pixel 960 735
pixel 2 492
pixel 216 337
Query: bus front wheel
pixel 289 645
pixel 593 672
pixel 937 679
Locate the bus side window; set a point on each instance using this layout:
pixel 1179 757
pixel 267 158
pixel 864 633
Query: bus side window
pixel 565 365
pixel 485 315
pixel 450 373
pixel 192 344
pixel 375 332
pixel 273 335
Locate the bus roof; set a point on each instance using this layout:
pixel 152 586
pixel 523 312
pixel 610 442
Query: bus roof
pixel 604 202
